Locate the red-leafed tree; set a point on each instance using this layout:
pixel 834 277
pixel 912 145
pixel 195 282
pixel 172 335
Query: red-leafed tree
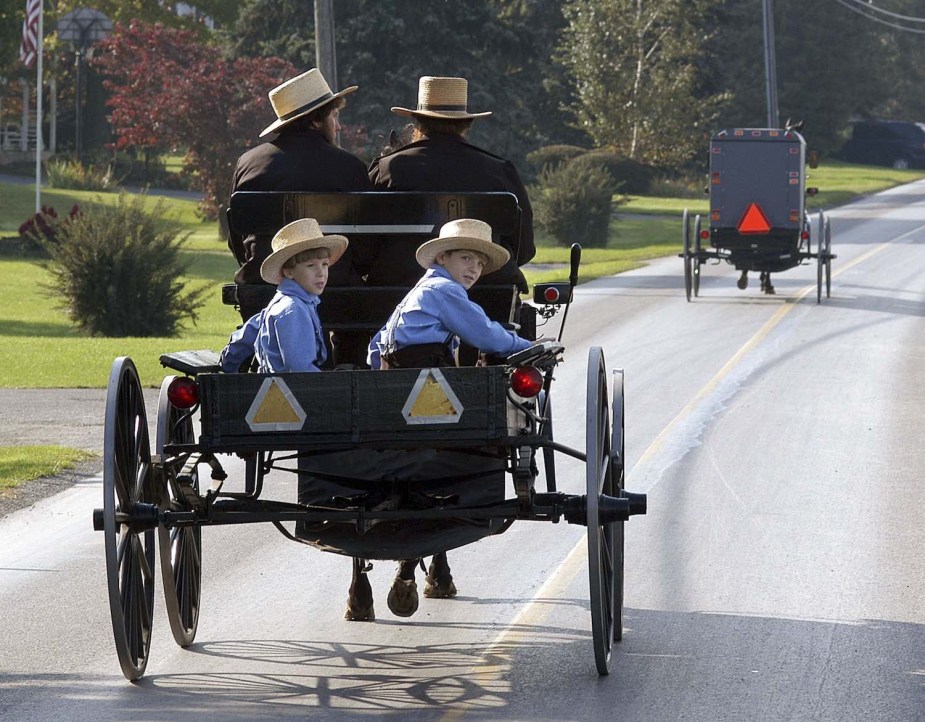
pixel 170 91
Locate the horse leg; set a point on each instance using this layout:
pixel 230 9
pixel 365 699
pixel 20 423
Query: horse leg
pixel 438 584
pixel 743 280
pixel 403 596
pixel 360 596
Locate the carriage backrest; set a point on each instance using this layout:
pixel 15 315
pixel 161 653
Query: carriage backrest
pixel 367 216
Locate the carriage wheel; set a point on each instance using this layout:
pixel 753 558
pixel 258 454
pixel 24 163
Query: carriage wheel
pixel 695 270
pixel 544 405
pixel 128 480
pixel 688 271
pixel 618 474
pixel 601 537
pixel 180 547
pixel 828 258
pixel 820 256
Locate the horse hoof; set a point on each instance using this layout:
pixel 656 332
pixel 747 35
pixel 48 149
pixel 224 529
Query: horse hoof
pixel 403 597
pixel 359 613
pixel 439 587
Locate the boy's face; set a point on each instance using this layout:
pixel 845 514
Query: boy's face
pixel 464 266
pixel 312 275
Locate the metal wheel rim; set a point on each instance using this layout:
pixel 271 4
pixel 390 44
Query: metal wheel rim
pixel 695 271
pixel 820 256
pixel 601 542
pixel 127 479
pixel 688 280
pixel 180 547
pixel 618 453
pixel 828 258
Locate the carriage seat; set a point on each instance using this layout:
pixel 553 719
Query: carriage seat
pixel 367 217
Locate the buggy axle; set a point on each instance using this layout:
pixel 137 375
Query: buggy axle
pixel 610 508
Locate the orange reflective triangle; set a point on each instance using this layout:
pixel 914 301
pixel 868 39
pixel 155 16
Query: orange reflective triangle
pixel 754 221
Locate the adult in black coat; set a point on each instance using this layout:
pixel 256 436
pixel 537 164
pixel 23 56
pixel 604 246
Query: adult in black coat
pixel 441 159
pixel 303 156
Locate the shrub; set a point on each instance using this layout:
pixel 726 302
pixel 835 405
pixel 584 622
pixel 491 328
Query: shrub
pixel 550 156
pixel 64 173
pixel 630 175
pixel 573 203
pixel 117 271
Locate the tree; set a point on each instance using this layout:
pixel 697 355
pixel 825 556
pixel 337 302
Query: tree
pixel 384 46
pixel 170 91
pixel 636 73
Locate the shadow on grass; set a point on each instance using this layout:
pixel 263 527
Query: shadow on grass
pixel 45 330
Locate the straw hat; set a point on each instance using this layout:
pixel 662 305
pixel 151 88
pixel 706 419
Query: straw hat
pixel 442 98
pixel 300 96
pixel 464 234
pixel 294 238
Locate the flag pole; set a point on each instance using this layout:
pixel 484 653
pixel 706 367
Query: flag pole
pixel 38 111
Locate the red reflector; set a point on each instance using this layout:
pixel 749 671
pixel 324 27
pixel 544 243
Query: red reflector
pixel 754 221
pixel 551 295
pixel 704 233
pixel 526 381
pixel 183 392
pixel 804 235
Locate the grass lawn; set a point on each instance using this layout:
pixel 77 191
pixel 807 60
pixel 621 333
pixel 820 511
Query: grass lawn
pixel 39 348
pixel 24 463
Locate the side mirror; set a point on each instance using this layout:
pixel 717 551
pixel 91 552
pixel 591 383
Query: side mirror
pixel 812 159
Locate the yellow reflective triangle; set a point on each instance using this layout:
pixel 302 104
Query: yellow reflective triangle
pixel 432 401
pixel 275 408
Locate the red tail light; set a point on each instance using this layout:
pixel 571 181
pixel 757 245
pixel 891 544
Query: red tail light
pixel 526 381
pixel 551 294
pixel 183 392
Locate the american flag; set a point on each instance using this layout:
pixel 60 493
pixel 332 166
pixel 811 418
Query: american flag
pixel 30 32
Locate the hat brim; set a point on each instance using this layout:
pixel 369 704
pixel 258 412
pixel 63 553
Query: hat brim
pixel 280 122
pixel 446 114
pixel 271 270
pixel 497 255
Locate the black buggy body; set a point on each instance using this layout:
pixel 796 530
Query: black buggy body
pixel 392 464
pixel 757 218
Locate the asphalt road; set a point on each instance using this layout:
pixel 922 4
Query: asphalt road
pixel 778 574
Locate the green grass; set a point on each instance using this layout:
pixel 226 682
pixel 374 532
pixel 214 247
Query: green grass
pixel 24 463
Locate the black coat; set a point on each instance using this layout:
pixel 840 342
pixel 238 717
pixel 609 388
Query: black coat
pixel 446 163
pixel 296 160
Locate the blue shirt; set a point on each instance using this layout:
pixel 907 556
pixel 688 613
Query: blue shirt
pixel 438 309
pixel 285 336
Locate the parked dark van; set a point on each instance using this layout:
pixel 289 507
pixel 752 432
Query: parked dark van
pixel 894 143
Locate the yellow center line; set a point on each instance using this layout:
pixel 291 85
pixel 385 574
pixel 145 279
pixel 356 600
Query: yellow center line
pixel 535 613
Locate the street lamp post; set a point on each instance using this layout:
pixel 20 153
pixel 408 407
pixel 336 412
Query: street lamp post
pixel 82 27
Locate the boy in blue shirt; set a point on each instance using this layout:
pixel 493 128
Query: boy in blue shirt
pixel 425 328
pixel 424 331
pixel 287 335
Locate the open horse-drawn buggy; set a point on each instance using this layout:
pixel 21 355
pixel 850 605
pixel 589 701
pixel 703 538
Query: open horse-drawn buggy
pixel 757 219
pixel 396 464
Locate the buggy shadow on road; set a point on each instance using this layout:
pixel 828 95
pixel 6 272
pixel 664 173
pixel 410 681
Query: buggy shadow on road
pixel 521 677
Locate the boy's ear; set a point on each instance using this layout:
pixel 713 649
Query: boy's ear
pixel 440 258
